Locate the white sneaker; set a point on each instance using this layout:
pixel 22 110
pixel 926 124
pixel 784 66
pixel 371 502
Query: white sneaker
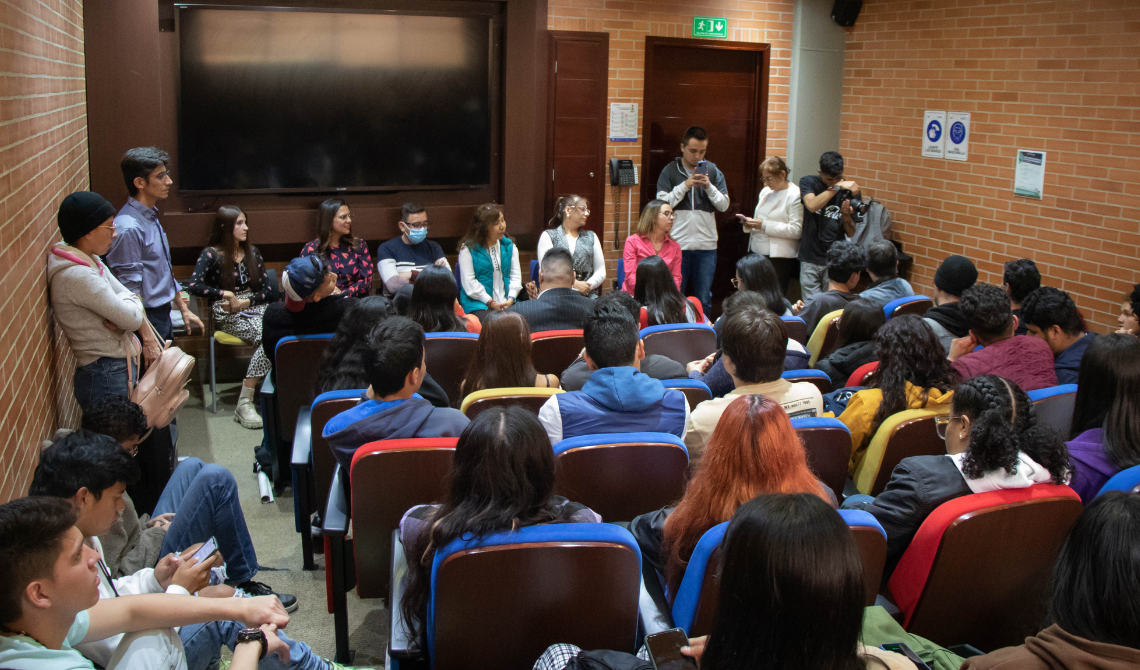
pixel 246 414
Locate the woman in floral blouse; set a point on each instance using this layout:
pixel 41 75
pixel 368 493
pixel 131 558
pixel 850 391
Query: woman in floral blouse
pixel 231 273
pixel 347 255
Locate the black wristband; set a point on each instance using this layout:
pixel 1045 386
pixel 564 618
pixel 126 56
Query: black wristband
pixel 254 635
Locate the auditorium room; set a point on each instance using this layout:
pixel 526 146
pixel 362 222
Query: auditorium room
pixel 569 334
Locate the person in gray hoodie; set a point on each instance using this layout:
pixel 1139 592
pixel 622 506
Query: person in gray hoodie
pixel 392 410
pixel 95 311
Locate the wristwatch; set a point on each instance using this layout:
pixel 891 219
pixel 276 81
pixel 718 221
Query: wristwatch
pixel 254 635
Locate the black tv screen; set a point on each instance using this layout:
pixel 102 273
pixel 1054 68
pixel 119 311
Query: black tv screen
pixel 298 100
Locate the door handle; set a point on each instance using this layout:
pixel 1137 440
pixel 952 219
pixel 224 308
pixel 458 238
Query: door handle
pixel 591 174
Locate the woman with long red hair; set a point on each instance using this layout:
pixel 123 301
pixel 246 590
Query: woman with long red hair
pixel 753 451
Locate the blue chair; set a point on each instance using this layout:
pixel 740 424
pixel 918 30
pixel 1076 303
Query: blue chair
pixel 911 304
pixel 534 272
pixel 817 377
pixel 1054 406
pixel 620 273
pixel 458 282
pixel 447 357
pixel 695 391
pixel 796 327
pixel 683 342
pixel 827 443
pixel 1125 480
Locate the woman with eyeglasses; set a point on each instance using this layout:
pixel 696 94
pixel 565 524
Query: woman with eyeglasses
pixel 652 239
pixel 565 231
pixel 776 225
pixel 993 442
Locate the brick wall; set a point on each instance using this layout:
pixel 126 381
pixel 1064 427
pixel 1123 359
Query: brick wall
pixel 1063 77
pixel 628 22
pixel 43 156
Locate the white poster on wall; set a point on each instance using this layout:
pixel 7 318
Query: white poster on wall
pixel 933 134
pixel 623 121
pixel 1029 174
pixel 958 136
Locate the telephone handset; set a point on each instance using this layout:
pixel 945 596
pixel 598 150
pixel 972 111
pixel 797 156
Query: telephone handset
pixel 622 172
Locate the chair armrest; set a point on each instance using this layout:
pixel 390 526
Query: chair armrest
pixel 336 510
pixel 302 438
pixel 400 643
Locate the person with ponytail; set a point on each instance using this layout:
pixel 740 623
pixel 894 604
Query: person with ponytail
pixel 565 230
pixel 993 442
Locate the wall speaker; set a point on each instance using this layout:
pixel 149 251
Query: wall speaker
pixel 846 11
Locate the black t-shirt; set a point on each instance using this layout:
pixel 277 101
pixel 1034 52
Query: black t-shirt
pixel 820 228
pixel 318 317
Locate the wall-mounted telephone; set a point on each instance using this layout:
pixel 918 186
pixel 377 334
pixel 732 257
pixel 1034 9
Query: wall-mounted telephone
pixel 622 172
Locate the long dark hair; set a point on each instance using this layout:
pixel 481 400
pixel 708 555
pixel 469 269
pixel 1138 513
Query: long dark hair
pixel 560 209
pixel 501 478
pixel 325 216
pixel 502 355
pixel 1108 396
pixel 908 351
pixel 861 321
pixel 433 301
pixel 1002 423
pixel 791 589
pixel 758 274
pixel 485 216
pixel 342 366
pixel 223 240
pixel 657 292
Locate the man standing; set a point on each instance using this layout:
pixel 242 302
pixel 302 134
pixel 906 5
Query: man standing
pixel 824 220
pixel 694 188
pixel 401 258
pixel 140 255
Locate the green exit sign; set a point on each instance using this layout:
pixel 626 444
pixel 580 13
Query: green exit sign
pixel 710 26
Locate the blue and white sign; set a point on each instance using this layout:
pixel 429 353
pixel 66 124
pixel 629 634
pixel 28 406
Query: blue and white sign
pixel 933 134
pixel 958 137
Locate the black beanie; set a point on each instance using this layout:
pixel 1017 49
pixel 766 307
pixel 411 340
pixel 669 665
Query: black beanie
pixel 80 213
pixel 956 274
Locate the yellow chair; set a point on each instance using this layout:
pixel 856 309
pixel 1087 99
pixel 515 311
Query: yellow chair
pixel 818 338
pixel 229 341
pixel 528 397
pixel 908 433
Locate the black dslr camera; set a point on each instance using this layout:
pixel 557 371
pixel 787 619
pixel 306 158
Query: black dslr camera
pixel 858 207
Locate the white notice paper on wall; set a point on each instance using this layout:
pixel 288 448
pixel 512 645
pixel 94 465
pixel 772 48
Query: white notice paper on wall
pixel 933 134
pixel 958 136
pixel 1029 174
pixel 623 121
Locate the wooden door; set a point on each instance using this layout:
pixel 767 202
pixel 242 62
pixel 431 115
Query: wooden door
pixel 576 143
pixel 722 86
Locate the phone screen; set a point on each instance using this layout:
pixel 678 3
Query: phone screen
pixel 665 650
pixel 206 550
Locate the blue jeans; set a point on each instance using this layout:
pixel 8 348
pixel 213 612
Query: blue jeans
pixel 697 270
pixel 204 500
pixel 203 643
pixel 103 378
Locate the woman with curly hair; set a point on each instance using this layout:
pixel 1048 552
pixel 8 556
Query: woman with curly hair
pixel 913 373
pixel 993 442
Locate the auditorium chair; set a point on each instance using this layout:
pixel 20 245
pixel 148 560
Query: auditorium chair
pixel 859 377
pixel 552 351
pixel 620 274
pixel 911 304
pixel 534 272
pixel 825 337
pixel 796 329
pixel 447 356
pixel 682 342
pixel 1054 406
pixel 387 479
pixel 827 443
pixel 622 475
pixel 979 568
pixel 527 397
pixel 223 338
pixel 1127 479
pixel 695 390
pixel 297 366
pixel 817 377
pixel 907 433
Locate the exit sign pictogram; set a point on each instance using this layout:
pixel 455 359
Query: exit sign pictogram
pixel 710 26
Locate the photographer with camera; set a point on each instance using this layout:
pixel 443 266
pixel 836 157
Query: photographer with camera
pixel 829 205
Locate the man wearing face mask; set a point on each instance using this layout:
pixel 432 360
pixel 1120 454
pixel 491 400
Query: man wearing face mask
pixel 400 259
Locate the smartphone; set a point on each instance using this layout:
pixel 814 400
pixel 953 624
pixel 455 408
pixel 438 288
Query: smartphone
pixel 702 167
pixel 206 550
pixel 900 648
pixel 665 650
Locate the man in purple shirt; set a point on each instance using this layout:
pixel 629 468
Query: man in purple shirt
pixel 140 255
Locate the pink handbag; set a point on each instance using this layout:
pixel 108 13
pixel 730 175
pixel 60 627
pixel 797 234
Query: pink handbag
pixel 161 391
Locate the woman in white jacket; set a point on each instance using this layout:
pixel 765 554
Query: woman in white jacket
pixel 776 225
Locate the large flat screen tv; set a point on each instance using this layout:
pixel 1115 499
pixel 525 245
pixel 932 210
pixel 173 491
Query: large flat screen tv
pixel 295 100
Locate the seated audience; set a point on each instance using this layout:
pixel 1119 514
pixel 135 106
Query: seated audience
pixel 955 275
pixel 559 306
pixel 95 312
pixel 775 227
pixel 310 306
pixel 912 374
pixel 654 365
pixel 231 273
pixel 489 273
pixel 433 301
pixel 1051 315
pixel 92 471
pixel 51 586
pixel 1106 423
pixel 618 397
pixel 1019 279
pixel 652 239
pixel 883 266
pixel 806 611
pixel 565 231
pixel 502 357
pixel 1129 319
pixel 993 442
pixel 1095 603
pixel 1025 361
pixel 396 366
pixel 502 478
pixel 401 259
pixel 753 450
pixel 659 298
pixel 755 272
pixel 861 320
pixel 755 343
pixel 347 256
pixel 845 261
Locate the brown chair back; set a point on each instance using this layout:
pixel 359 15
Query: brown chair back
pixel 447 358
pixel 324 462
pixel 1056 412
pixel 797 330
pixel 916 437
pixel 298 364
pixel 596 471
pixel 828 449
pixel 530 402
pixel 552 351
pixel 694 395
pixel 830 340
pixel 683 345
pixel 918 307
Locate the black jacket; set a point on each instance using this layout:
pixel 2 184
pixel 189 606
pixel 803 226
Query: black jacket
pixel 322 316
pixel 950 317
pixel 844 361
pixel 555 309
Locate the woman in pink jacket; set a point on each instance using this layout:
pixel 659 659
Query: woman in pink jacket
pixel 652 239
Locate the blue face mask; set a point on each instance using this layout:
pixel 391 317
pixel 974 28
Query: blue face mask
pixel 417 235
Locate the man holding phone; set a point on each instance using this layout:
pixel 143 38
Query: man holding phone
pixel 824 221
pixel 695 189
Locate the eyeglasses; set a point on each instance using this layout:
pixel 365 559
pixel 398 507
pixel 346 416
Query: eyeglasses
pixel 942 424
pixel 110 227
pixel 769 179
pixel 582 209
pixel 417 226
pixel 163 175
pixel 669 214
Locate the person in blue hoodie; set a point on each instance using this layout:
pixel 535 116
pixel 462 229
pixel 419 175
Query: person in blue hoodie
pixel 618 397
pixel 395 368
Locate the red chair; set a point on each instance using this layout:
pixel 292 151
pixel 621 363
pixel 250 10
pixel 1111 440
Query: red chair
pixel 859 377
pixel 554 350
pixel 447 357
pixel 979 568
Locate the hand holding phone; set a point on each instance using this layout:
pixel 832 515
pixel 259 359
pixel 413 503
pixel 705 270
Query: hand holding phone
pixel 702 168
pixel 665 650
pixel 206 550
pixel 900 648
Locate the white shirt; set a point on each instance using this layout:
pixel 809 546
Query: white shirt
pixel 475 290
pixel 595 280
pixel 782 213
